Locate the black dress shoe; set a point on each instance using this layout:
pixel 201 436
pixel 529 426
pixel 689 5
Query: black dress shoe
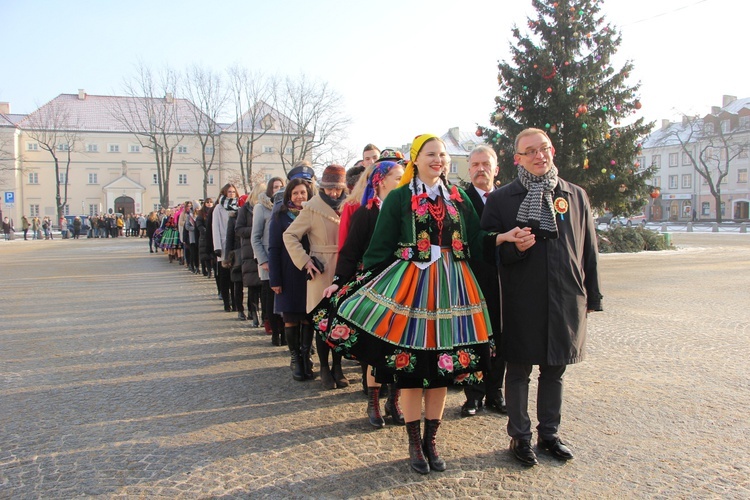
pixel 521 449
pixel 555 447
pixel 469 408
pixel 496 405
pixel 241 316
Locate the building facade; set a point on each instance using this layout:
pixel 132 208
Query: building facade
pixel 721 139
pixel 112 160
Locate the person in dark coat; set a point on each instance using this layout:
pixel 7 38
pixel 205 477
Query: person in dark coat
pixel 232 248
pixel 482 170
pixel 549 281
pixel 249 266
pixel 205 249
pixel 287 281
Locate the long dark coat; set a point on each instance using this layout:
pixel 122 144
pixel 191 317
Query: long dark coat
pixel 282 271
pixel 244 230
pixel 547 289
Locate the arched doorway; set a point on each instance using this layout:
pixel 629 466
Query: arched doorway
pixel 125 205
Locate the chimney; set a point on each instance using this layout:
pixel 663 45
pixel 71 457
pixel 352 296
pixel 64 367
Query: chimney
pixel 169 98
pixel 715 110
pixel 453 131
pixel 726 100
pixel 665 124
pixel 81 94
pixel 4 108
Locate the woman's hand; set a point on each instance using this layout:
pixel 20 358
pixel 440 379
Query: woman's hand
pixel 330 291
pixel 311 269
pixel 276 289
pixel 264 266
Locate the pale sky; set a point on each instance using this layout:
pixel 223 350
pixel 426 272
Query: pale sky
pixel 402 67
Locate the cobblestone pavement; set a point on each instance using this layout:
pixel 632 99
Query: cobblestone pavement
pixel 121 376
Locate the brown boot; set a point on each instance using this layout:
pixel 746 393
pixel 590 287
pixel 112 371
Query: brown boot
pixel 417 460
pixel 430 451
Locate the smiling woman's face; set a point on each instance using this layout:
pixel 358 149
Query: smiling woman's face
pixel 431 161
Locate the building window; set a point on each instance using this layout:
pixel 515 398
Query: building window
pixel 93 178
pixel 93 209
pixel 743 152
pixel 210 179
pixel 92 148
pixel 66 209
pixel 742 175
pixel 686 158
pixel 641 162
pixel 156 207
pixel 657 181
pixel 33 178
pixel 672 182
pixel 34 210
pixel 708 128
pixel 135 148
pixel 182 150
pixel 745 121
pixel 268 149
pixel 656 161
pixel 63 147
pixel 454 167
pixel 289 151
pixel 63 178
pixel 687 181
pixel 672 159
pixel 724 129
pixel 32 146
pixel 705 208
pixel 113 148
pixel 182 179
pixel 209 150
pixel 156 179
pixel 723 206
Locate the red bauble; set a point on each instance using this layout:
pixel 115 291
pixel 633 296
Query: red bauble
pixel 637 104
pixel 479 132
pixel 583 109
pixel 549 90
pixel 655 193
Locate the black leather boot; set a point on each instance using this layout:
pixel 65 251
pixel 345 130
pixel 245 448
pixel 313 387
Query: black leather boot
pixel 417 459
pixel 373 408
pixel 305 348
pixel 430 451
pixel 338 373
pixel 391 405
pixel 326 377
pixel 293 340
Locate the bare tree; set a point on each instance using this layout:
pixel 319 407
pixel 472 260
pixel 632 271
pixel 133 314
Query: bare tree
pixel 710 146
pixel 312 122
pixel 156 119
pixel 56 131
pixel 205 89
pixel 253 117
pixel 8 156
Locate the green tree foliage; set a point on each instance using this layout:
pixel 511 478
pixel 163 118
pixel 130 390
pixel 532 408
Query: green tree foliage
pixel 561 80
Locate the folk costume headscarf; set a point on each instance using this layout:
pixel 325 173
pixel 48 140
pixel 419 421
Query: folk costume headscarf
pixel 411 167
pixel 378 173
pixel 537 209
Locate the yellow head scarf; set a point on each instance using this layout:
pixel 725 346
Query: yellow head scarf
pixel 416 147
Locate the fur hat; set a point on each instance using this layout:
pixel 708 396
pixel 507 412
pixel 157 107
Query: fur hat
pixel 334 177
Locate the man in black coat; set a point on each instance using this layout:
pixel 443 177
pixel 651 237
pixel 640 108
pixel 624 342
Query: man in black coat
pixel 482 171
pixel 549 282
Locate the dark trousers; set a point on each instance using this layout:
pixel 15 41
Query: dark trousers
pixel 492 383
pixel 239 296
pixel 548 401
pixel 224 281
pixel 266 300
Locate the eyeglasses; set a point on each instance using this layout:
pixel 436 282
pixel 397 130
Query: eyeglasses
pixel 531 153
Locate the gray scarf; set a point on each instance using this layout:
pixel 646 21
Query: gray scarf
pixel 537 209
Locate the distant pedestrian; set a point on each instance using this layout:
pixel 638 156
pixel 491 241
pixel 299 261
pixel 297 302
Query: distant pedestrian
pixel 25 227
pixel 6 228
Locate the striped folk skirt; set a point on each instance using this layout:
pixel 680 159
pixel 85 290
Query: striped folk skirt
pixel 428 327
pixel 170 239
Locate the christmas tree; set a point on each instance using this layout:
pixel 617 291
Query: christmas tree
pixel 561 80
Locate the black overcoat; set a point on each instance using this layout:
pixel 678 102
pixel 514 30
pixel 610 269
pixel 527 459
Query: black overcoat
pixel 282 271
pixel 244 229
pixel 547 289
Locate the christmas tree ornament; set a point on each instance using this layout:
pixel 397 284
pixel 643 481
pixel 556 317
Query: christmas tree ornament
pixel 479 132
pixel 612 162
pixel 583 109
pixel 612 176
pixel 584 140
pixel 584 126
pixel 553 129
pixel 585 163
pixel 655 193
pixel 605 108
pixel 637 104
pixel 622 188
pixel 604 170
pixel 547 125
pixel 520 108
pixel 549 90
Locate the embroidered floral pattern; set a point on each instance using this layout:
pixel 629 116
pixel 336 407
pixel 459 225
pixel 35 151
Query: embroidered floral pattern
pixel 468 378
pixel 458 245
pixel 320 320
pixel 340 332
pixel 401 360
pixel 461 360
pixel 405 253
pixel 423 245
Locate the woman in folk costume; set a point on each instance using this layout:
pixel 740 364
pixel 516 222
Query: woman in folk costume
pixel 170 240
pixel 319 221
pixel 423 318
pixel 384 176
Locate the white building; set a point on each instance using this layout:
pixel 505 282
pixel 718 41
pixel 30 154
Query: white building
pixel 685 194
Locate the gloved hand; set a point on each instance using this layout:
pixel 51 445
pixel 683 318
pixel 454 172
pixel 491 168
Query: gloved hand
pixel 217 252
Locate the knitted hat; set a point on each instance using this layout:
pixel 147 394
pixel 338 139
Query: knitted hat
pixel 334 177
pixel 352 175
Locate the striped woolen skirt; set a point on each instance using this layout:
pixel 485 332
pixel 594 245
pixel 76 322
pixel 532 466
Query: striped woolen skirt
pixel 169 239
pixel 428 327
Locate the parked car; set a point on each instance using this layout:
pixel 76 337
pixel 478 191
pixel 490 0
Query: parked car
pixel 84 223
pixel 606 218
pixel 629 221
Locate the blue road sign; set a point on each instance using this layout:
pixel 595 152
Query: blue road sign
pixel 10 197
